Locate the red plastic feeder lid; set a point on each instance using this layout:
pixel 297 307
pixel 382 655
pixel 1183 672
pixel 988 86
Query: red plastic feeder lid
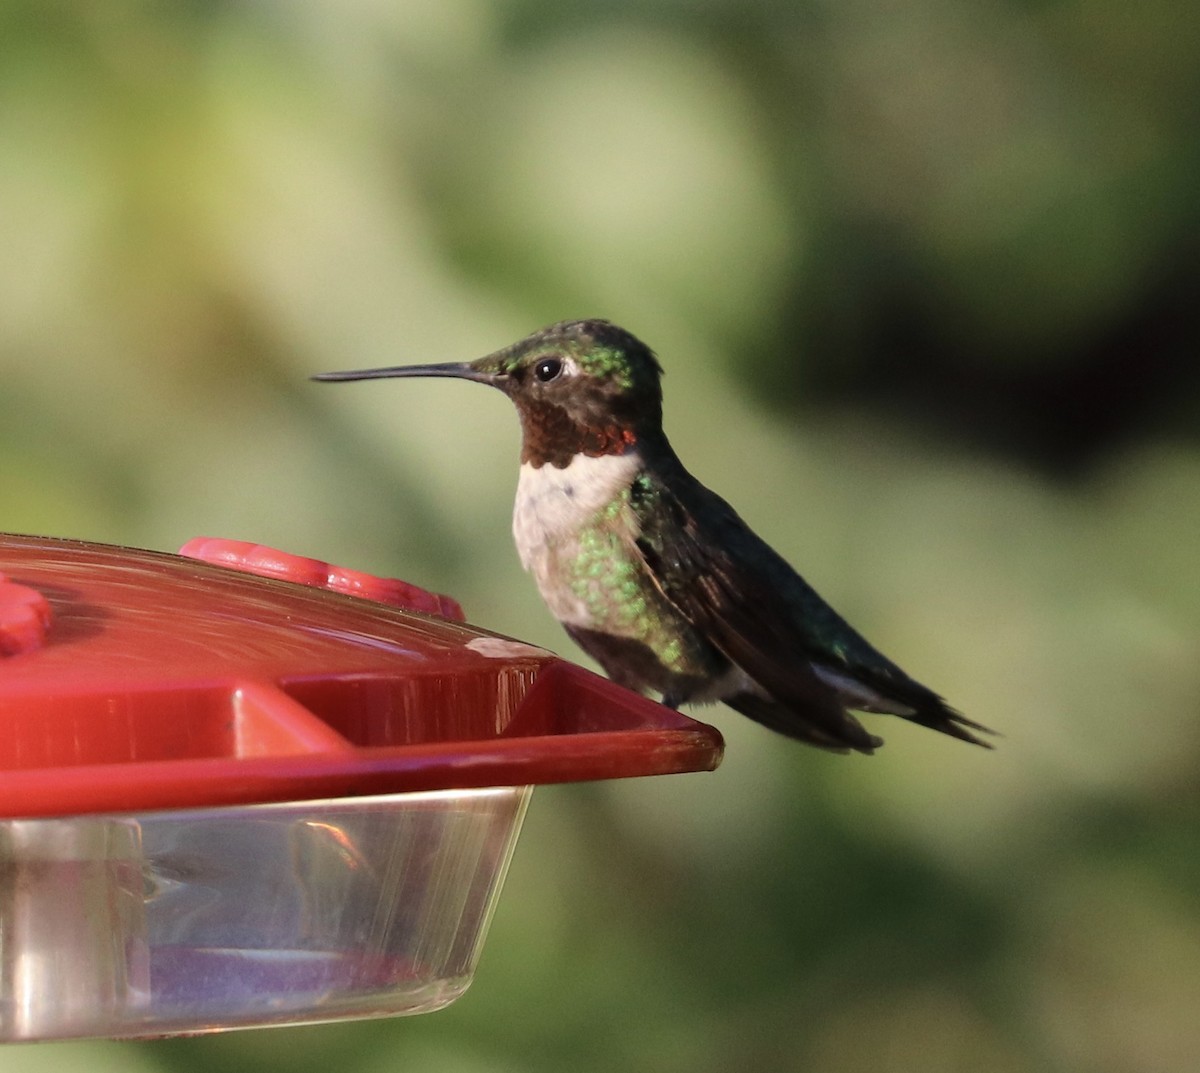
pixel 134 680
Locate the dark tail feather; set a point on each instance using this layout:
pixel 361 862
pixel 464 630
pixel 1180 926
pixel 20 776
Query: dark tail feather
pixel 841 735
pixel 943 718
pixel 848 734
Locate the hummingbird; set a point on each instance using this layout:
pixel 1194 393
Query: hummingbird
pixel 657 577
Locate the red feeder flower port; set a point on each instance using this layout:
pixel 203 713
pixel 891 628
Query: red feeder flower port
pixel 231 800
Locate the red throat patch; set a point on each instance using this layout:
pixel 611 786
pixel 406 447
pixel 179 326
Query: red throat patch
pixel 550 436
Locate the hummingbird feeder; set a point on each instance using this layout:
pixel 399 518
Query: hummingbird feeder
pixel 230 800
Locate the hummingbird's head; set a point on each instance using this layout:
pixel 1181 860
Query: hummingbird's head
pixel 580 386
pixel 583 386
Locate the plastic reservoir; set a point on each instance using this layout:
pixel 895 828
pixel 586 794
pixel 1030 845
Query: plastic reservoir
pixel 230 800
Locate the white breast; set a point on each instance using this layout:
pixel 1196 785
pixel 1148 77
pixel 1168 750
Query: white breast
pixel 553 505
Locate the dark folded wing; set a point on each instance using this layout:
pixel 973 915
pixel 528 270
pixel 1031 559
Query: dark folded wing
pixel 703 559
pixel 765 618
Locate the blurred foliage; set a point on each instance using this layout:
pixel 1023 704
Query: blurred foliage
pixel 923 276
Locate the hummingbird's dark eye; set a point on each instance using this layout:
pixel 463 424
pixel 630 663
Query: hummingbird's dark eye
pixel 547 369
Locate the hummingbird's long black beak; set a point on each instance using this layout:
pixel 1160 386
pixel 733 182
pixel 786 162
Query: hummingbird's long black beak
pixel 459 370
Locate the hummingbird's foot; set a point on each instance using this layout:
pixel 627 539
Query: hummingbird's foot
pixel 671 700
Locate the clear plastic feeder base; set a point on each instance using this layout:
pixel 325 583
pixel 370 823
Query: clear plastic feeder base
pixel 193 921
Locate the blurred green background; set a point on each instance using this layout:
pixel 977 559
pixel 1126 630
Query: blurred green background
pixel 923 275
